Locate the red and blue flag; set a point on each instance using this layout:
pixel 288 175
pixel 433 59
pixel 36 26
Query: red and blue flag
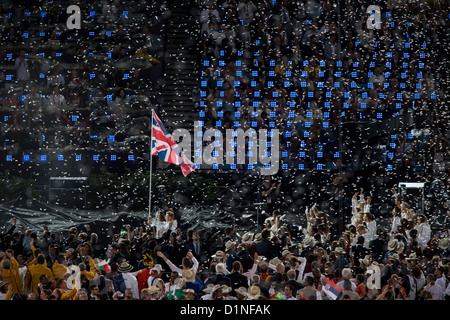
pixel 167 149
pixel 331 289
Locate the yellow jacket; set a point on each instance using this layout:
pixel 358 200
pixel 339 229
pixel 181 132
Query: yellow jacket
pixel 140 53
pixel 27 282
pixel 90 274
pixel 11 276
pixel 36 271
pixel 69 294
pixel 59 270
pixel 315 69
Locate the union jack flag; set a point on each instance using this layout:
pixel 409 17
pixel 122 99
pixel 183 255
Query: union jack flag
pixel 166 148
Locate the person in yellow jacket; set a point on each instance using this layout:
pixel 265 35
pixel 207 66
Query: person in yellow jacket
pixel 27 281
pixel 10 271
pixel 62 295
pixel 89 274
pixel 63 292
pixel 143 52
pixel 59 268
pixel 38 267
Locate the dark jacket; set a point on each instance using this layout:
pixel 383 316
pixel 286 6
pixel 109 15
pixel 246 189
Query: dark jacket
pixel 118 258
pixel 359 252
pixel 237 280
pixel 220 279
pixel 267 249
pixel 202 252
pixel 297 285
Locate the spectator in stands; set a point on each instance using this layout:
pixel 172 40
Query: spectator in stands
pixel 10 102
pixel 56 99
pixel 22 68
pixel 56 78
pixel 143 52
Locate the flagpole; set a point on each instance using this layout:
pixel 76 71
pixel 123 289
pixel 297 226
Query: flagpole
pixel 151 166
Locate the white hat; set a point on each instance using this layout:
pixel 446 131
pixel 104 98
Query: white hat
pixel 254 291
pixel 400 247
pixel 189 275
pixel 180 283
pixel 242 291
pixel 346 272
pixel 275 261
pixel 339 250
pixel 218 255
pixel 208 288
pixel 153 289
pixel 229 245
pixel 392 245
pixel 394 256
pixel 412 256
pixel 216 287
pixel 189 291
pixel 444 243
pixel 226 289
pixel 365 262
pixel 307 241
pixel 247 237
pixel 157 268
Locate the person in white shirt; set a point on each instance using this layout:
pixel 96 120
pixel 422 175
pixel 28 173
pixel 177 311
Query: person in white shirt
pixel 288 291
pixel 170 224
pixel 440 277
pixel 396 220
pixel 56 99
pixel 158 223
pixel 447 291
pixel 209 14
pixel 347 275
pixel 435 290
pixel 22 69
pixel 131 282
pixel 377 76
pixel 246 9
pixel 56 79
pixel 359 207
pixel 155 277
pixel 416 281
pixel 423 231
pixel 371 225
pixel 188 262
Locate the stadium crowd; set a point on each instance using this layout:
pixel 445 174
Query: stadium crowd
pixel 297 67
pixel 304 67
pixel 60 87
pixel 406 260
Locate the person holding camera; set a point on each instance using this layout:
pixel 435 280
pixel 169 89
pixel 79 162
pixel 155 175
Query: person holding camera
pixel 393 290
